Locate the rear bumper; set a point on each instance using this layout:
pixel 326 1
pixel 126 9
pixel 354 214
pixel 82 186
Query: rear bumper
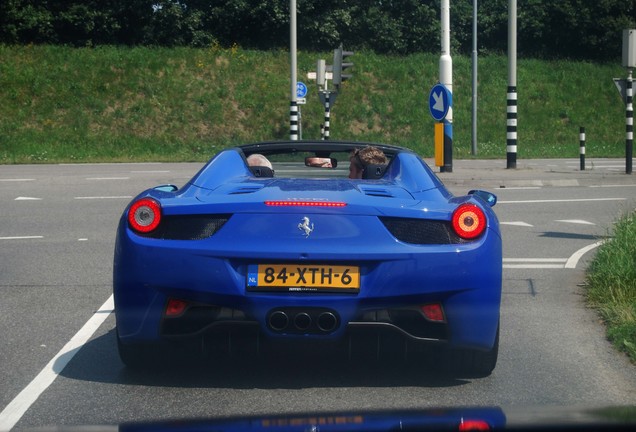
pixel 465 279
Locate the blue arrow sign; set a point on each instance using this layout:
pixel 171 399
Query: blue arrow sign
pixel 301 89
pixel 439 101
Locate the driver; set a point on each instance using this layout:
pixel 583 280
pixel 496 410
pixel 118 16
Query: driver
pixel 360 158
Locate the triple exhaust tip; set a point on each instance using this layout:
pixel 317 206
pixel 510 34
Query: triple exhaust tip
pixel 280 320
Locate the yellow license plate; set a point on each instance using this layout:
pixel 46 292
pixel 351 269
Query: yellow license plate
pixel 306 276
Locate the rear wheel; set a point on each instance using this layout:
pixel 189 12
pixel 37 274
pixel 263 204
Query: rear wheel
pixel 474 363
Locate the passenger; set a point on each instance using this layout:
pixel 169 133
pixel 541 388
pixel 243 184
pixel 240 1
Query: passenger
pixel 258 160
pixel 361 158
pixel 260 166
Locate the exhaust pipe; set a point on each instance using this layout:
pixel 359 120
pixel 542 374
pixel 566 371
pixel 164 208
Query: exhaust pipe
pixel 302 321
pixel 297 320
pixel 278 320
pixel 327 321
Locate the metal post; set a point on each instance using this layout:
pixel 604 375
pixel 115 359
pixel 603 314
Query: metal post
pixel 629 124
pixel 582 147
pixel 446 79
pixel 474 116
pixel 300 122
pixel 511 110
pixel 293 105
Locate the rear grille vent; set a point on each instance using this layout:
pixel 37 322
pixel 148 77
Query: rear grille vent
pixel 421 231
pixel 377 192
pixel 246 189
pixel 189 227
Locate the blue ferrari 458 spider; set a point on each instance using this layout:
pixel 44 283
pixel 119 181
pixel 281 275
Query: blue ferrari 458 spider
pixel 248 257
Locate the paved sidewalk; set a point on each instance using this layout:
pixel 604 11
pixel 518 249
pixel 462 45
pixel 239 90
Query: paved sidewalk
pixel 493 174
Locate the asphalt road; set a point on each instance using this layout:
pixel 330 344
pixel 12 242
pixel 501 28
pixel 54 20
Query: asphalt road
pixel 56 245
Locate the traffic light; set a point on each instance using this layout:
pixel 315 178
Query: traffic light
pixel 321 73
pixel 340 65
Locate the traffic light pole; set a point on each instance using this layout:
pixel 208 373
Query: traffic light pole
pixel 322 76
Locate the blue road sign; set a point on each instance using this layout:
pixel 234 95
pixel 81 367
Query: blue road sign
pixel 301 89
pixel 439 101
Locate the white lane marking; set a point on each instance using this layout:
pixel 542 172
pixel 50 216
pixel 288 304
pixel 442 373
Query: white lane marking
pixel 576 256
pixel 27 397
pixel 17 180
pixel 534 263
pixel 560 200
pixel 575 221
pixel 550 263
pixel 503 188
pixel 82 239
pixel 21 238
pixel 103 197
pixel 612 186
pixel 533 266
pixel 517 223
pixel 27 199
pixel 150 172
pixel 107 178
pixel 536 260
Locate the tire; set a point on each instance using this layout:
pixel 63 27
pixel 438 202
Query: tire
pixel 474 363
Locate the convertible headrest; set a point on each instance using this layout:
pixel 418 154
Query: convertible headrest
pixel 373 172
pixel 262 171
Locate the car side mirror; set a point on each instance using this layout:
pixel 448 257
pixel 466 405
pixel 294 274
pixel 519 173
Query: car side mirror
pixel 166 188
pixel 488 197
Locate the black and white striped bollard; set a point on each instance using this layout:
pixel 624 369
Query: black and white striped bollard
pixel 582 147
pixel 327 115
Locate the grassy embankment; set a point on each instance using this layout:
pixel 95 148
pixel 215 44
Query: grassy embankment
pixel 60 104
pixel 611 285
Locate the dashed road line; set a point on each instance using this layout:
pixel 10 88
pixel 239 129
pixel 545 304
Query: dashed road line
pixel 534 263
pixel 612 186
pixel 575 221
pixel 22 238
pixel 549 263
pixel 517 223
pixel 103 197
pixel 107 178
pixel 151 172
pixel 17 180
pixel 558 201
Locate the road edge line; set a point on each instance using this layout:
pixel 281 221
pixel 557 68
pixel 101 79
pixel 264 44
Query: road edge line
pixel 14 411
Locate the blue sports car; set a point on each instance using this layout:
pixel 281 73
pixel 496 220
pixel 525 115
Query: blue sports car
pixel 251 258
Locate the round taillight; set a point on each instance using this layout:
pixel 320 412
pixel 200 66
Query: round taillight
pixel 144 215
pixel 469 221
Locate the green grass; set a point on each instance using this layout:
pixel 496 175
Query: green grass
pixel 60 104
pixel 611 281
